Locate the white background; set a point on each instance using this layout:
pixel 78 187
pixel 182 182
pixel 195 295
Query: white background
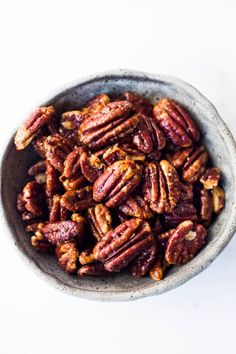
pixel 45 44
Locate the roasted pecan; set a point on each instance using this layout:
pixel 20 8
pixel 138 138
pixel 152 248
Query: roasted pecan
pixel 161 186
pixel 92 269
pixel 75 183
pixel 39 242
pixel 113 154
pixel 218 199
pixel 148 136
pixel 87 256
pixel 176 123
pixel 136 207
pixel 34 198
pixel 77 200
pixel 67 255
pixel 206 203
pixel 154 156
pixel 91 166
pixel 141 104
pixel 186 192
pixel 142 264
pixel 100 220
pixel 108 126
pixel 132 152
pixel 157 226
pixel 115 184
pixel 35 226
pixel 158 269
pixel 120 246
pixel 36 168
pixel 38 145
pixel 72 177
pixel 185 242
pixel 53 184
pixel 210 178
pixel 57 212
pixel 31 126
pixel 192 162
pixel 62 231
pixel 162 240
pixel 57 148
pixel 180 213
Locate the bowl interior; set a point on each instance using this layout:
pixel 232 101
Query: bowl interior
pixel 123 286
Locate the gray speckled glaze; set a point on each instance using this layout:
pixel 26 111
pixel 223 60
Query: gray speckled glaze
pixel 121 287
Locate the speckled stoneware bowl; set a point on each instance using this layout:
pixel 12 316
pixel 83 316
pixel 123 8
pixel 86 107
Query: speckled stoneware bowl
pixel 216 137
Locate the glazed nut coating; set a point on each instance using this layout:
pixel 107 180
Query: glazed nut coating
pixel 121 184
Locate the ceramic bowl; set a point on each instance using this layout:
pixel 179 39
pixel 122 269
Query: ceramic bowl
pixel 217 139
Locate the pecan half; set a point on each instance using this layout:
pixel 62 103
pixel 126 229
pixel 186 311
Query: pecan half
pixel 186 192
pixel 210 178
pixel 34 198
pixel 113 154
pixel 161 186
pixel 100 220
pixel 76 200
pixel 142 264
pixel 180 213
pixel 72 177
pixel 38 145
pixel 57 148
pixel 67 255
pixel 31 126
pixel 176 123
pixel 121 245
pixel 148 136
pixel 158 269
pixel 92 269
pixel 57 212
pixel 132 152
pixel 192 162
pixel 185 242
pixel 62 231
pixel 206 203
pixel 91 166
pixel 141 104
pixel 53 184
pixel 115 184
pixel 108 126
pixel 218 199
pixel 136 207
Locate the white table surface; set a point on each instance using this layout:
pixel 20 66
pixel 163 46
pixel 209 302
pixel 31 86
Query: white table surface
pixel 44 44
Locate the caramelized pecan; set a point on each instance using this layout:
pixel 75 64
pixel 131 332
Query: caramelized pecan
pixel 92 269
pixel 57 212
pixel 158 269
pixel 86 256
pixel 39 242
pixel 57 148
pixel 206 203
pixel 161 186
pixel 32 125
pixel 100 220
pixel 210 178
pixel 38 145
pixel 121 245
pixel 142 264
pixel 53 184
pixel 77 200
pixel 113 154
pixel 72 177
pixel 115 184
pixel 180 213
pixel 37 168
pixel 141 104
pixel 218 199
pixel 176 123
pixel 34 198
pixel 62 231
pixel 185 242
pixel 136 207
pixel 132 152
pixel 91 166
pixel 67 255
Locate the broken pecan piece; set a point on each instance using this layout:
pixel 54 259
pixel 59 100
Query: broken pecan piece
pixel 185 242
pixel 76 200
pixel 100 220
pixel 176 123
pixel 115 184
pixel 62 231
pixel 91 166
pixel 142 264
pixel 218 199
pixel 161 186
pixel 121 245
pixel 31 126
pixel 136 207
pixel 67 255
pixel 87 256
pixel 57 148
pixel 39 242
pixel 158 269
pixel 210 178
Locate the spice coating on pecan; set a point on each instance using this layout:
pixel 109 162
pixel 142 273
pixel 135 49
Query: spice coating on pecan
pixel 218 199
pixel 210 178
pixel 136 207
pixel 100 220
pixel 142 264
pixel 67 255
pixel 91 166
pixel 76 200
pixel 34 198
pixel 62 231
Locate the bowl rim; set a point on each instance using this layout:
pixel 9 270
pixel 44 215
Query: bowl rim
pixel 156 288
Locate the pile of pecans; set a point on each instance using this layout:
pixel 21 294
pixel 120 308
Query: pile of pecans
pixel 120 184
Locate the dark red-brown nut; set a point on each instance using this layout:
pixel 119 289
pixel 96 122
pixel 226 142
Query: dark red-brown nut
pixel 154 156
pixel 37 168
pixel 100 220
pixel 71 120
pixel 108 126
pixel 67 255
pixel 206 206
pixel 57 212
pixel 62 231
pixel 135 206
pixel 87 256
pixel 113 154
pixel 32 125
pixel 39 242
pixel 115 184
pixel 162 240
pixel 191 161
pixel 34 198
pixel 210 178
pixel 91 166
pixel 148 136
pixel 72 177
pixel 176 123
pixel 158 269
pixel 218 199
pixel 132 152
pixel 57 148
pixel 142 264
pixel 92 269
pixel 140 103
pixel 76 200
pixel 121 245
pixel 185 242
pixel 161 186
pixel 38 145
pixel 53 184
pixel 182 212
pixel 186 192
